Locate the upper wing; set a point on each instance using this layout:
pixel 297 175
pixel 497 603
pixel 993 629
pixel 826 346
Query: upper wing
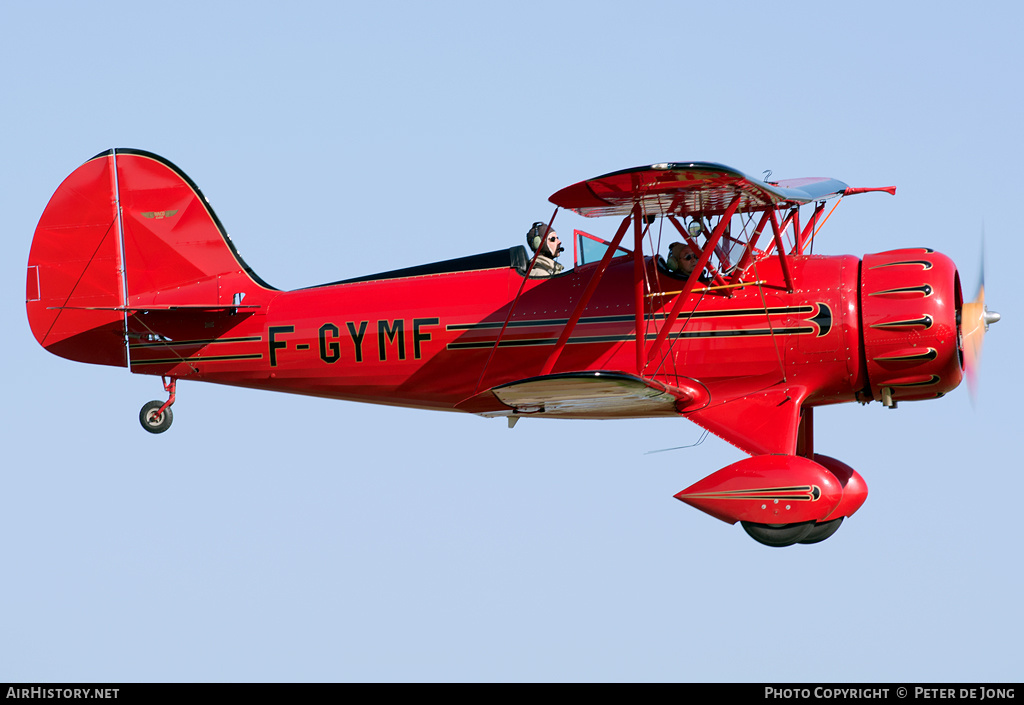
pixel 688 189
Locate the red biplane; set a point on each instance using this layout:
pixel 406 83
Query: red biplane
pixel 131 267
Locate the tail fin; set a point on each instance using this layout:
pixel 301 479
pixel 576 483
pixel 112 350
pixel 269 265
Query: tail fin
pixel 125 231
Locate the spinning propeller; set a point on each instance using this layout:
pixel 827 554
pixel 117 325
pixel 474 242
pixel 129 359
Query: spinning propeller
pixel 975 318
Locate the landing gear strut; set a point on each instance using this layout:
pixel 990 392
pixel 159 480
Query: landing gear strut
pixel 156 416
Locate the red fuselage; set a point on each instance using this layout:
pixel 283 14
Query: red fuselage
pixel 429 341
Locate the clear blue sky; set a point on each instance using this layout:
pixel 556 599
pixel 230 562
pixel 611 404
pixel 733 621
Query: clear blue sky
pixel 268 537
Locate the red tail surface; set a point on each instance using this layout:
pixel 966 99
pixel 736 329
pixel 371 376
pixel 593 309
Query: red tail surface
pixel 126 231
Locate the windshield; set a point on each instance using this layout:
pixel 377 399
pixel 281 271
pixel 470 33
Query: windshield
pixel 590 248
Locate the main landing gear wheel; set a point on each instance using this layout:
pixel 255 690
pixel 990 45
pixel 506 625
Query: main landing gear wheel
pixel 822 531
pixel 778 535
pixel 151 418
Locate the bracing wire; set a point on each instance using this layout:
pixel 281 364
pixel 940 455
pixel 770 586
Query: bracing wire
pixel 692 445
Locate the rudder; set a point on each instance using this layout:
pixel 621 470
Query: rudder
pixel 74 288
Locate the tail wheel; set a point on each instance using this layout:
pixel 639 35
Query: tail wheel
pixel 154 421
pixel 778 535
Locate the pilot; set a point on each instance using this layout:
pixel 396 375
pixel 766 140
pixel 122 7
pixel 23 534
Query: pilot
pixel 541 237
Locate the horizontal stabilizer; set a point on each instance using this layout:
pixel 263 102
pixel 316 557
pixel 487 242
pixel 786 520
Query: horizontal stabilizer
pixel 158 307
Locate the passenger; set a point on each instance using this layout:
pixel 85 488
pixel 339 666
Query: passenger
pixel 546 240
pixel 682 260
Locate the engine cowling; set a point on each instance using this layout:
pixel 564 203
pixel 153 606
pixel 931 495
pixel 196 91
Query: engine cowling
pixel 910 310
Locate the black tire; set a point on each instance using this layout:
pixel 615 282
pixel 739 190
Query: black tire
pixel 822 531
pixel 778 535
pixel 153 422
